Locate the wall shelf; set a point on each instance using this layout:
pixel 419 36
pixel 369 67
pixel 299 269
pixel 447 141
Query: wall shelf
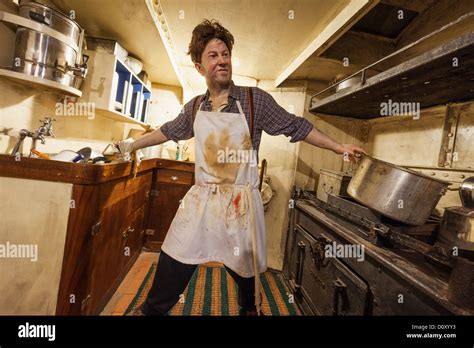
pixel 432 78
pixel 39 83
pixel 115 90
pixel 117 116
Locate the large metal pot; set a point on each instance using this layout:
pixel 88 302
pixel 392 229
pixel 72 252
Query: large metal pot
pixel 51 18
pixel 54 55
pixel 466 193
pixel 399 193
pixel 457 228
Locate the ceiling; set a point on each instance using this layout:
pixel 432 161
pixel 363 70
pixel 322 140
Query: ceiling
pixel 374 36
pixel 269 34
pixel 266 39
pixel 130 23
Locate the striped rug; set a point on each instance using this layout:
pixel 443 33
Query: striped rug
pixel 212 291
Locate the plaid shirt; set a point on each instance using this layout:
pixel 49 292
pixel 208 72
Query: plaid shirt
pixel 268 116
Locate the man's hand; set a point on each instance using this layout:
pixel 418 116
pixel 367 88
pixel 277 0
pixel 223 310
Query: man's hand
pixel 126 148
pixel 129 153
pixel 350 152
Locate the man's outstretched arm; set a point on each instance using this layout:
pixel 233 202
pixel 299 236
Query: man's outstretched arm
pixel 321 140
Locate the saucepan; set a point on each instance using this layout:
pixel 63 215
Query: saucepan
pixel 82 155
pixel 397 192
pixel 353 81
pixel 466 193
pixel 457 228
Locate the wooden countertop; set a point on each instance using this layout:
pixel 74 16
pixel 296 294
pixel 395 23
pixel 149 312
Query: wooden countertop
pixel 83 174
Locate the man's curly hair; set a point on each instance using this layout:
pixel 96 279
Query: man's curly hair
pixel 205 32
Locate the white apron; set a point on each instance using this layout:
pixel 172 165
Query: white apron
pixel 221 217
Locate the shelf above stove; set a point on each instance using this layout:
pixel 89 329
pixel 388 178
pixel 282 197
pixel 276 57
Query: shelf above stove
pixel 432 78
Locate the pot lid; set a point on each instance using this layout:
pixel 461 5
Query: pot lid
pixel 52 10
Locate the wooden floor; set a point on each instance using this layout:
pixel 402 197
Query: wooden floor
pixel 122 298
pixel 120 301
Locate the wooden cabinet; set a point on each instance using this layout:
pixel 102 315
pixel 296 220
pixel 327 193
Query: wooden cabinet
pixel 101 213
pixel 118 239
pixel 169 187
pixel 112 238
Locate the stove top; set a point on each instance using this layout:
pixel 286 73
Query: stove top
pixel 416 245
pixel 383 231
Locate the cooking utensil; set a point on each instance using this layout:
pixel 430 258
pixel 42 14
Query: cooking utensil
pixel 111 152
pixel 66 156
pixel 457 228
pixel 55 56
pixel 100 160
pixel 85 153
pixel 353 81
pixel 399 193
pixel 466 193
pixel 40 154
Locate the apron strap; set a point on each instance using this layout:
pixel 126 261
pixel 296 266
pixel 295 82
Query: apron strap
pixel 199 99
pixel 250 95
pixel 197 102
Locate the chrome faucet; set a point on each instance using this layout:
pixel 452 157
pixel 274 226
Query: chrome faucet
pixel 45 130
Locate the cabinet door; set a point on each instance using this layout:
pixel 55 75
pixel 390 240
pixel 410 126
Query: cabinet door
pixel 74 295
pixel 123 203
pixel 169 188
pixel 107 252
pixel 132 237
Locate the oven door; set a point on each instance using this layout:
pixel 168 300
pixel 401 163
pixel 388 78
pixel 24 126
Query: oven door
pixel 326 285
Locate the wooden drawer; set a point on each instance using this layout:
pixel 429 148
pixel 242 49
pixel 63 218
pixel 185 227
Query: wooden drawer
pixel 116 190
pixel 174 177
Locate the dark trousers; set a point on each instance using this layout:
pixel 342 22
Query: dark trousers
pixel 171 279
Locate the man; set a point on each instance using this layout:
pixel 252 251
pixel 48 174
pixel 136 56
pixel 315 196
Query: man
pixel 221 218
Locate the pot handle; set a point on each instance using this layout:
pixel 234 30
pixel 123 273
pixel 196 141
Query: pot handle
pixel 452 188
pixel 38 17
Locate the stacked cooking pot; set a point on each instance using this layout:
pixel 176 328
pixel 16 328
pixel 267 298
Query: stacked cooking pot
pixel 410 197
pixel 55 51
pixel 458 222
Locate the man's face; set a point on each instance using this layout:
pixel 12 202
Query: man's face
pixel 216 64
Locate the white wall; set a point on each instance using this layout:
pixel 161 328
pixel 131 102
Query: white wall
pixel 22 106
pixel 312 159
pixel 281 156
pixel 417 142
